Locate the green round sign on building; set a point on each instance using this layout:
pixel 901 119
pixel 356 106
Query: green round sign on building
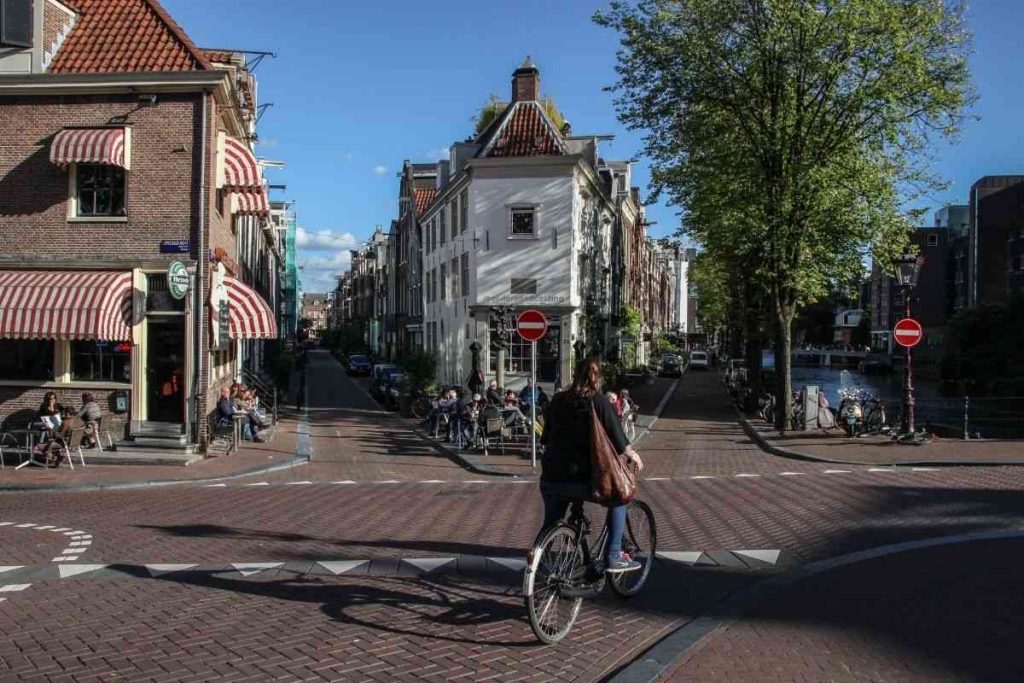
pixel 178 280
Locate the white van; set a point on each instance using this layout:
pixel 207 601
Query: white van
pixel 699 360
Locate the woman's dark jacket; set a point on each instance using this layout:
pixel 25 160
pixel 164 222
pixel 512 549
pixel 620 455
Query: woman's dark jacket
pixel 566 437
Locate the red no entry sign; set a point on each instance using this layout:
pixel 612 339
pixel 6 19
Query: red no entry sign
pixel 908 332
pixel 532 325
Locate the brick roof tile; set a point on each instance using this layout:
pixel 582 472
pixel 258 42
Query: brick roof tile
pixel 117 36
pixel 424 197
pixel 526 133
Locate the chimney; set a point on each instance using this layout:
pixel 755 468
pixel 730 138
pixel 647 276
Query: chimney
pixel 526 82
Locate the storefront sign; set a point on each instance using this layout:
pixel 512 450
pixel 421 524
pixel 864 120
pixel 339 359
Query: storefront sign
pixel 219 313
pixel 175 246
pixel 178 280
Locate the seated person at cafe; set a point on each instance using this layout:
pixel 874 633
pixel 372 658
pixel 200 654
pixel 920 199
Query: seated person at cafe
pixel 50 412
pixel 510 410
pixel 90 414
pixel 442 406
pixel 251 408
pixel 494 396
pixel 225 416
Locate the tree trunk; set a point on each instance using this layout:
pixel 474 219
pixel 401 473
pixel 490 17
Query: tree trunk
pixel 783 378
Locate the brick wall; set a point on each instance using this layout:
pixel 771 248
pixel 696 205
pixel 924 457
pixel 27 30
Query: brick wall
pixel 54 20
pixel 19 404
pixel 34 192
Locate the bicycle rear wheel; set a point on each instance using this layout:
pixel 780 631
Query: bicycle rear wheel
pixel 556 562
pixel 640 541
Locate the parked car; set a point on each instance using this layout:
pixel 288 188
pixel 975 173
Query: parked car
pixel 359 365
pixel 670 366
pixel 699 360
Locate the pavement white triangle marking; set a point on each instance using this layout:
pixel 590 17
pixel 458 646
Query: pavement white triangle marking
pixel 215 486
pixel 428 564
pixel 10 568
pixel 837 471
pixel 12 587
pixel 67 570
pixel 341 566
pixel 297 483
pixel 790 474
pixel 702 476
pixel 513 563
pixel 24 526
pixel 262 483
pixel 882 469
pixel 690 557
pixel 250 568
pixel 345 481
pixel 747 475
pixel 769 556
pixel 158 569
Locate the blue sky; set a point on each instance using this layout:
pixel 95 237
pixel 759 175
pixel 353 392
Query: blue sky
pixel 359 86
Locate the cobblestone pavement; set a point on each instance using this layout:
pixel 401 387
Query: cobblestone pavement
pixel 951 613
pixel 711 490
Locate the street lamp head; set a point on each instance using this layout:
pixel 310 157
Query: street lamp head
pixel 908 269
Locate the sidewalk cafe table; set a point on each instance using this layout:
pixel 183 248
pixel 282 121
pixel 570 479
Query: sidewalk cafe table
pixel 30 444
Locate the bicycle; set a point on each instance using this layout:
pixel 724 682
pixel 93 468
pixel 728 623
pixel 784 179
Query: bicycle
pixel 561 571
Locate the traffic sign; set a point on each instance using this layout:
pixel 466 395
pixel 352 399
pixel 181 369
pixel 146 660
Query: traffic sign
pixel 532 325
pixel 908 332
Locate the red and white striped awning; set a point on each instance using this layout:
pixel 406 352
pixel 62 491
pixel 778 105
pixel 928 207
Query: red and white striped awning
pixel 108 146
pixel 37 304
pixel 249 316
pixel 241 170
pixel 250 203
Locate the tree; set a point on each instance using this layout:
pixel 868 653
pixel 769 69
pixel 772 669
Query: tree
pixel 793 130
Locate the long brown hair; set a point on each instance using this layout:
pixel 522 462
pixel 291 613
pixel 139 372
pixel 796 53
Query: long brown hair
pixel 588 380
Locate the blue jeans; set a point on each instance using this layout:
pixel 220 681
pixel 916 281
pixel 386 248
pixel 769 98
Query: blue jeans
pixel 558 496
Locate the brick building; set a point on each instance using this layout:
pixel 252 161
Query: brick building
pixel 126 148
pixel 995 243
pixel 315 309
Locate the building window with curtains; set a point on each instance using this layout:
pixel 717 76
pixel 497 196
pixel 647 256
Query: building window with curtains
pixel 456 288
pixel 99 190
pixel 93 361
pixel 28 359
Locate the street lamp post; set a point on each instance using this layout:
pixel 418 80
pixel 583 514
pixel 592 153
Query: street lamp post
pixel 908 269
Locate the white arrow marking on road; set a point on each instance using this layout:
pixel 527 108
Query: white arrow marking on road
pixel 250 568
pixel 158 569
pixel 837 471
pixel 10 568
pixel 689 557
pixel 769 556
pixel 428 564
pixel 67 570
pixel 513 563
pixel 341 566
pixel 262 483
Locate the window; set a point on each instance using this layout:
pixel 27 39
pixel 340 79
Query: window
pixel 933 240
pixel 524 285
pixel 444 281
pixel 444 223
pixel 101 361
pixel 221 195
pixel 456 218
pixel 464 210
pixel 456 287
pixel 465 275
pixel 524 222
pixel 99 190
pixel 519 359
pixel 26 359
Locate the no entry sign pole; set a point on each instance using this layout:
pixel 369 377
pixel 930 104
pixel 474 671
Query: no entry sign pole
pixel 532 325
pixel 908 334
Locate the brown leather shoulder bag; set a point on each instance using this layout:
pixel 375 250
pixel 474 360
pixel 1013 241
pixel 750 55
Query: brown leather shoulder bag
pixel 612 479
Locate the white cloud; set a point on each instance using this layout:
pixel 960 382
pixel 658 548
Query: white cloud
pixel 324 239
pixel 380 169
pixel 320 270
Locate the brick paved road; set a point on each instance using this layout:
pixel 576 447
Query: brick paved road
pixel 340 628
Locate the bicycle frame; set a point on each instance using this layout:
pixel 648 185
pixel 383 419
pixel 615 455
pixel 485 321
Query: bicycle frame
pixel 591 582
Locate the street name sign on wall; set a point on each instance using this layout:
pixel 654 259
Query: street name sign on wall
pixel 532 325
pixel 175 246
pixel 178 280
pixel 908 332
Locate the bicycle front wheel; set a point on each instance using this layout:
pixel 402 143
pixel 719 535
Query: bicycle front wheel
pixel 556 563
pixel 639 541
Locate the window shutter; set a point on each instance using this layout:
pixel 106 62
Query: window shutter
pixel 16 23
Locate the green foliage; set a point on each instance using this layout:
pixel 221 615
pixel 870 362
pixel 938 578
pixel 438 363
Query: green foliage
pixel 420 370
pixel 631 320
pixel 792 132
pixel 494 107
pixel 666 344
pixel 614 376
pixel 983 355
pixel 710 280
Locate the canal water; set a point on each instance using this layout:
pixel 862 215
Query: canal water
pixel 987 417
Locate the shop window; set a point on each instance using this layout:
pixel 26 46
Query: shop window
pixel 99 191
pixel 26 359
pixel 99 361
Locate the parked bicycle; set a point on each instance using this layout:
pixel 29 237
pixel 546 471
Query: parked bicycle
pixel 563 569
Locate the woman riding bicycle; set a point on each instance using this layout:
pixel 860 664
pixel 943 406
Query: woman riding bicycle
pixel 565 473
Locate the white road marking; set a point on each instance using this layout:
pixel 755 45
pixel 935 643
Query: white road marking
pixel 837 471
pixel 791 474
pixel 341 566
pixel 250 568
pixel 344 481
pixel 656 479
pixel 297 483
pixel 215 486
pixel 262 483
pixel 746 475
pixel 10 568
pixel 702 476
pixel 882 469
pixel 67 570
pixel 925 469
pixel 12 587
pixel 687 556
pixel 24 526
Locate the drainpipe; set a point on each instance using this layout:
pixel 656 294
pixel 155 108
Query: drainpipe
pixel 200 309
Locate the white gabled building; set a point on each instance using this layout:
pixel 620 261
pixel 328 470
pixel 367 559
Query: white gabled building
pixel 526 216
